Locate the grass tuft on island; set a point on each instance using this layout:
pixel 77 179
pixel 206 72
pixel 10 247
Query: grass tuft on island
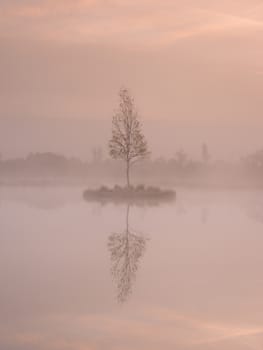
pixel 128 194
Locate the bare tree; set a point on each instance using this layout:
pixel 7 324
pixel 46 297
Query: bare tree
pixel 128 142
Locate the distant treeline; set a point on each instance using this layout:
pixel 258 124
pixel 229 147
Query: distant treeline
pixel 45 168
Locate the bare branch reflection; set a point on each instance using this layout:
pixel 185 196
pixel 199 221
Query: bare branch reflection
pixel 126 248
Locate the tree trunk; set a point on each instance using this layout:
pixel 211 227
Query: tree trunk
pixel 127 218
pixel 128 173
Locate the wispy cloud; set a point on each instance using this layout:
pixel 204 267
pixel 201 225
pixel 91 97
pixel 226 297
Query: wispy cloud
pixel 126 22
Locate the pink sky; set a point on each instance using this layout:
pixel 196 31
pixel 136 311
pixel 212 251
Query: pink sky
pixel 196 63
pixel 130 22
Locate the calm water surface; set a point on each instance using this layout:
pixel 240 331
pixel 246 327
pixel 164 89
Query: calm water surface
pixel 187 275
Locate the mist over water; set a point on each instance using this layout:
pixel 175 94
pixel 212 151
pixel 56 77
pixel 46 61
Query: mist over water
pixel 131 175
pixel 190 274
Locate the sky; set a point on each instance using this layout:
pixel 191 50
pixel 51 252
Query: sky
pixel 195 69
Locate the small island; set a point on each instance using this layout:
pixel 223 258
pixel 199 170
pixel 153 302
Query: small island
pixel 128 144
pixel 132 194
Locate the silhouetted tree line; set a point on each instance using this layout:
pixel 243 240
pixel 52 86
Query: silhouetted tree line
pixel 180 169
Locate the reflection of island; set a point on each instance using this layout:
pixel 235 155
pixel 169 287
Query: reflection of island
pixel 126 250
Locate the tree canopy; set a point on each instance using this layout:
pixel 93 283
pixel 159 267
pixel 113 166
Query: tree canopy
pixel 128 143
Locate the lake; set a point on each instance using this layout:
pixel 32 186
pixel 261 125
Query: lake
pixel 185 275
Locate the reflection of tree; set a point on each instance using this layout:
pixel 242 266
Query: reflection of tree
pixel 126 249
